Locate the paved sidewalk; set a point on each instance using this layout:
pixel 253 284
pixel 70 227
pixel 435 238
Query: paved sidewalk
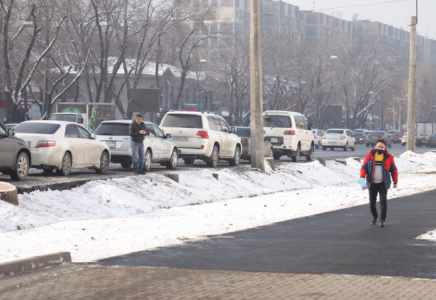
pixel 105 282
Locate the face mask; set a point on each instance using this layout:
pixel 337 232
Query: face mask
pixel 380 151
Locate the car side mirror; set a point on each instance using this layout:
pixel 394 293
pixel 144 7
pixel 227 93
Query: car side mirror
pixel 93 136
pixel 80 119
pixel 168 136
pixel 11 132
pixel 225 130
pixel 233 129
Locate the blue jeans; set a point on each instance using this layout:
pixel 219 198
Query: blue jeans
pixel 138 156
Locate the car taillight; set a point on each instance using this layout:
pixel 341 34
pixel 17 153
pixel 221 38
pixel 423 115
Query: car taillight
pixel 289 132
pixel 203 134
pixel 314 136
pixel 44 143
pixel 323 137
pixel 245 142
pixel 342 137
pixel 367 137
pixel 427 139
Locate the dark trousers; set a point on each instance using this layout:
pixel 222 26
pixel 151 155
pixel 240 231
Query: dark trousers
pixel 374 189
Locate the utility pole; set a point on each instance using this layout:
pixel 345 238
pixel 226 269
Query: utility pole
pixel 411 104
pixel 256 101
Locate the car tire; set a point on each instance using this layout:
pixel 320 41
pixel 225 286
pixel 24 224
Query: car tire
pixel 104 163
pixel 65 169
pixel 353 148
pixel 324 148
pixel 189 161
pixel 236 157
pixel 296 157
pixel 21 167
pixel 147 160
pixel 332 148
pixel 126 164
pixel 214 158
pixel 172 163
pixel 346 147
pixel 310 156
pixel 390 145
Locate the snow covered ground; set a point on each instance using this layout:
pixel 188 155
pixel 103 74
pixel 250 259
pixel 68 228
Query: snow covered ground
pixel 113 217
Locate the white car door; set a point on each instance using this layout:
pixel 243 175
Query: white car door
pixel 226 140
pixel 92 149
pixel 166 145
pixel 156 143
pixel 76 145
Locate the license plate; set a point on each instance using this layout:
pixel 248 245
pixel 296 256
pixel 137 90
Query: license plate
pixel 332 143
pixel 180 139
pixel 274 140
pixel 111 144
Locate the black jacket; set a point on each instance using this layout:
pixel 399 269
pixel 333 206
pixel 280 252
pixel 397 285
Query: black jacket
pixel 134 132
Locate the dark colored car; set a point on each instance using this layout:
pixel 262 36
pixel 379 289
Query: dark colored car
pixel 431 140
pixel 15 158
pixel 396 136
pixel 360 137
pixel 374 136
pixel 245 134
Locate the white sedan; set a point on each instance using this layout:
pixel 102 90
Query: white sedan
pixel 62 146
pixel 338 138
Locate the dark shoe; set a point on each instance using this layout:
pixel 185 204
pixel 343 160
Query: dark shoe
pixel 136 172
pixel 374 221
pixel 382 223
pixel 142 172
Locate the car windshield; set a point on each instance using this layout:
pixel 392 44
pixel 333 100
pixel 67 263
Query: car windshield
pixel 358 134
pixel 38 128
pixel 112 129
pixel 243 131
pixel 334 131
pixel 277 121
pixel 182 121
pixel 376 133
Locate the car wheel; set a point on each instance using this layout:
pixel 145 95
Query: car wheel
pixel 324 148
pixel 346 147
pixel 172 164
pixel 21 167
pixel 296 157
pixel 310 156
pixel 331 148
pixel 189 161
pixel 390 145
pixel 126 164
pixel 65 169
pixel 403 144
pixel 354 147
pixel 235 160
pixel 367 145
pixel 213 159
pixel 104 163
pixel 147 160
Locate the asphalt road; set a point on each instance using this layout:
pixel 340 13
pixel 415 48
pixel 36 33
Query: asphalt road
pixel 338 242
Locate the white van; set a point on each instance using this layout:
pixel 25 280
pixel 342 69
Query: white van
pixel 289 133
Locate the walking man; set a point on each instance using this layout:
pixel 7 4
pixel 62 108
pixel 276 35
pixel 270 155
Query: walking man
pixel 137 134
pixel 378 167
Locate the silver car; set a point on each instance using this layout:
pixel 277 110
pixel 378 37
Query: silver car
pixel 245 134
pixel 158 147
pixel 63 146
pixel 14 155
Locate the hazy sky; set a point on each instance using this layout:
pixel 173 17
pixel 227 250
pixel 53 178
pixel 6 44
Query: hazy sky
pixel 390 12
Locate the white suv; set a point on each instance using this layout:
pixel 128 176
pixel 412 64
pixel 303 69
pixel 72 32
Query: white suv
pixel 202 135
pixel 289 133
pixel 158 147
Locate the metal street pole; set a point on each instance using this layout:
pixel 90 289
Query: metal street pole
pixel 411 105
pixel 256 117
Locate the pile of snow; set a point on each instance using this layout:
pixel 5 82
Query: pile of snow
pixel 117 216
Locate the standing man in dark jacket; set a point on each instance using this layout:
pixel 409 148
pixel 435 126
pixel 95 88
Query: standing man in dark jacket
pixel 378 167
pixel 137 134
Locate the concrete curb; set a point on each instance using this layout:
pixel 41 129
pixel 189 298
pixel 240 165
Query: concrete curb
pixel 21 266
